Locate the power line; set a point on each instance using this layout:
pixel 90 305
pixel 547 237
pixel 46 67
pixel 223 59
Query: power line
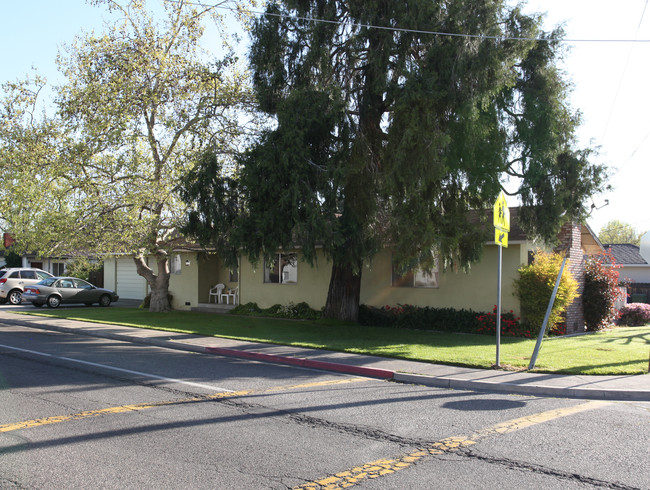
pixel 416 31
pixel 620 83
pixel 631 156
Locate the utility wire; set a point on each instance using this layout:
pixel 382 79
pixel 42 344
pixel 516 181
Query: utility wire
pixel 620 83
pixel 631 156
pixel 416 31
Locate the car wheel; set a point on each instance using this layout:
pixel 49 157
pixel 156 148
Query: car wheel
pixel 105 300
pixel 15 297
pixel 53 301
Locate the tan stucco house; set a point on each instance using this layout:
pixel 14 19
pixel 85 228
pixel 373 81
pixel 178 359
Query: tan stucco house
pixel 289 279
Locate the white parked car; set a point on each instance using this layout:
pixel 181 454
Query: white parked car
pixel 14 280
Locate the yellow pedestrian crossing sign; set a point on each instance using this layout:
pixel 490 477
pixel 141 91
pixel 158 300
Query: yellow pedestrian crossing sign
pixel 501 237
pixel 501 213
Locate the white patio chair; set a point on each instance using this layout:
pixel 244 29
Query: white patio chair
pixel 217 292
pixel 232 293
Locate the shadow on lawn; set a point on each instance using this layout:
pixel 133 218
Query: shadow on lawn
pixel 586 368
pixel 628 339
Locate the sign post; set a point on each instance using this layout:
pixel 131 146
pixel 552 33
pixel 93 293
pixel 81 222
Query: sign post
pixel 501 228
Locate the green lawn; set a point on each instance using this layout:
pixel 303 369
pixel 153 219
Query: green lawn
pixel 618 351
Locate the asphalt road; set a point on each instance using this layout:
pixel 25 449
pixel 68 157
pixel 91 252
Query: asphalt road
pixel 82 412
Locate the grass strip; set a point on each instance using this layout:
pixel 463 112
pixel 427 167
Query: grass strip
pixel 619 351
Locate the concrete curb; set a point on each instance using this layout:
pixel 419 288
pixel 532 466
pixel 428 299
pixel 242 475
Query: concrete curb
pixel 519 389
pixel 448 381
pixel 307 363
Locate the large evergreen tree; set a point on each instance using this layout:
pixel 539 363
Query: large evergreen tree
pixel 394 120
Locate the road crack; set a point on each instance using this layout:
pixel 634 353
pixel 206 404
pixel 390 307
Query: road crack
pixel 545 470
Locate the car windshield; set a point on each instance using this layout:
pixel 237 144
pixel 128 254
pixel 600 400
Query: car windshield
pixel 48 282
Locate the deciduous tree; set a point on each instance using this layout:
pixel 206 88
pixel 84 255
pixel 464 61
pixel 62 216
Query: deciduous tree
pixel 619 232
pixel 140 102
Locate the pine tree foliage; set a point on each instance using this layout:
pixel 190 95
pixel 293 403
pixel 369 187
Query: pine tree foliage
pixel 389 134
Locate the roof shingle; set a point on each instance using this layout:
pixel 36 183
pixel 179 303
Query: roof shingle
pixel 625 253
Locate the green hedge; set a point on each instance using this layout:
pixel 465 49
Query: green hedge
pixel 421 318
pixel 300 311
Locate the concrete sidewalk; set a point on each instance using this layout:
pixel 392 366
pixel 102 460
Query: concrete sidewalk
pixel 635 388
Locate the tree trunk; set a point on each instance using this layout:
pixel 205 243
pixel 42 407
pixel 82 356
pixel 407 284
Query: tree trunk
pixel 158 283
pixel 344 293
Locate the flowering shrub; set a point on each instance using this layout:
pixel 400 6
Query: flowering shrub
pixel 510 327
pixel 558 329
pixel 534 288
pixel 635 314
pixel 601 291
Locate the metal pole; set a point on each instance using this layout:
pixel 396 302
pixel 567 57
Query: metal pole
pixel 498 364
pixel 538 345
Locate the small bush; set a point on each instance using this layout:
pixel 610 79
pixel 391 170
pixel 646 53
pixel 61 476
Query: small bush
pixel 12 259
pixel 300 311
pixel 558 329
pixel 82 268
pixel 600 292
pixel 250 309
pixel 635 314
pixel 534 288
pixel 510 326
pixel 377 317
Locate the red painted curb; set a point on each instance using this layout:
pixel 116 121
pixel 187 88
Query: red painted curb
pixel 298 361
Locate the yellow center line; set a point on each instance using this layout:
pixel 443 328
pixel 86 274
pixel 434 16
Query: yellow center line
pixel 383 467
pixel 144 406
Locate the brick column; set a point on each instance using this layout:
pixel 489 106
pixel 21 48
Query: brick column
pixel 571 243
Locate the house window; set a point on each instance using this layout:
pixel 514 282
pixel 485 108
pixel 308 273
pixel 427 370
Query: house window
pixel 234 276
pixel 175 264
pixel 281 269
pixel 415 277
pixel 58 268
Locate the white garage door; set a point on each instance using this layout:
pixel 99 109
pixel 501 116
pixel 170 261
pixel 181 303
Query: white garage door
pixel 129 284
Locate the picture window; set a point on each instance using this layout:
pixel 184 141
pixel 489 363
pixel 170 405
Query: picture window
pixel 415 277
pixel 281 269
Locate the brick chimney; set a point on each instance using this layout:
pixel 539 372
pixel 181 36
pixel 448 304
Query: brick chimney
pixel 571 243
pixel 8 240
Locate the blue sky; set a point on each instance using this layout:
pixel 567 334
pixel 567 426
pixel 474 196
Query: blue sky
pixel 610 79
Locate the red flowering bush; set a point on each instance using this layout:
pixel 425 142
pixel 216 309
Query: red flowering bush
pixel 601 291
pixel 510 326
pixel 635 314
pixel 558 329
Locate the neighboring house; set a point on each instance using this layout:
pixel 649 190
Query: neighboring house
pixel 56 266
pixel 634 267
pixel 287 278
